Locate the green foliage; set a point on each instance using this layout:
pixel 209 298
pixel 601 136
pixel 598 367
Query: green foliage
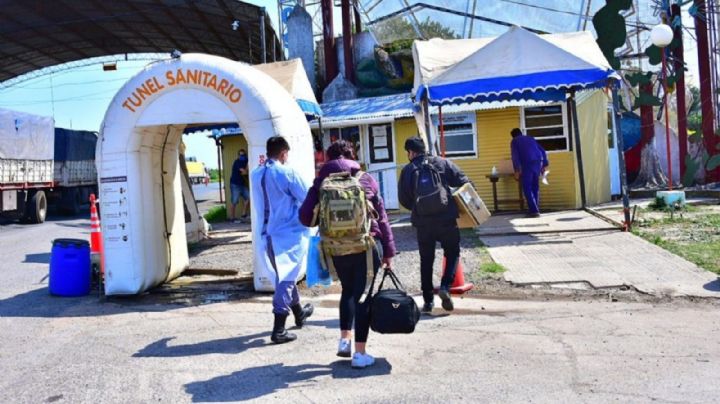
pixel 395 29
pixel 639 79
pixel 647 99
pixel 400 44
pixel 216 214
pixel 713 162
pixel 610 28
pixel 691 168
pixel 492 268
pixel 214 175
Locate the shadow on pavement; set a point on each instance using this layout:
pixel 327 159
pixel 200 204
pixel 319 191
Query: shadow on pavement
pixel 713 286
pixel 37 258
pixel 260 381
pixel 235 345
pixel 39 303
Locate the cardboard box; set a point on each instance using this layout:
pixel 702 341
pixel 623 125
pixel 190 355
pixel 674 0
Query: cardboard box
pixel 505 167
pixel 473 211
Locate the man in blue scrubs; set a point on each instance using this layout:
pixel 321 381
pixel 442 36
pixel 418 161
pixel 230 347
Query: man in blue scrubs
pixel 279 191
pixel 529 162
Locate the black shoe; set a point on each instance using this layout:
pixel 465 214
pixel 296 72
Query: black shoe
pixel 427 307
pixel 447 302
pixel 302 313
pixel 532 215
pixel 279 333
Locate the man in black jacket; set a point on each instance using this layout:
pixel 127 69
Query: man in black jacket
pixel 439 226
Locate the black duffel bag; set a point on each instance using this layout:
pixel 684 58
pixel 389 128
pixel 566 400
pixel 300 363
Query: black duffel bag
pixel 392 311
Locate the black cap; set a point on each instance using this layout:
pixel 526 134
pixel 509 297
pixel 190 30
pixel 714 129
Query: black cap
pixel 415 144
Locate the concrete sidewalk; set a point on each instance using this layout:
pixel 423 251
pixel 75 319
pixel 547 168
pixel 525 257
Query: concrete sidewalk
pixel 575 247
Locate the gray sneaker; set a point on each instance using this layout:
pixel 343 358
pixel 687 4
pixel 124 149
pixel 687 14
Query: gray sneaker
pixel 447 302
pixel 344 349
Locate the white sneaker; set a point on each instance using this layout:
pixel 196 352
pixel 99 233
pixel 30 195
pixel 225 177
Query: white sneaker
pixel 360 361
pixel 344 350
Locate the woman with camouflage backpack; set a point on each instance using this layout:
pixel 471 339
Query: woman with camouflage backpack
pixel 360 213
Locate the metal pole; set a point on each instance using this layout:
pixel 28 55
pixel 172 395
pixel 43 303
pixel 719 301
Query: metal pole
pixel 218 143
pixel 706 96
pixel 347 41
pixel 262 34
pixel 428 126
pixel 621 160
pixel 331 67
pixel 442 132
pixel 667 120
pixel 358 20
pixel 578 148
pixel 678 53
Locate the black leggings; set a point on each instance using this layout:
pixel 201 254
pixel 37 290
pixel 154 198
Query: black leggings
pixel 352 272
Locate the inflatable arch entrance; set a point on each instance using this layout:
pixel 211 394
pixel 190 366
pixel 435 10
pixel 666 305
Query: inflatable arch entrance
pixel 143 220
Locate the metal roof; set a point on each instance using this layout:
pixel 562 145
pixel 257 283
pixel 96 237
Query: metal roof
pixel 36 34
pixel 389 106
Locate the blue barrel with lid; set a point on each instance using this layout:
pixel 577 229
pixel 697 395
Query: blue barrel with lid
pixel 70 271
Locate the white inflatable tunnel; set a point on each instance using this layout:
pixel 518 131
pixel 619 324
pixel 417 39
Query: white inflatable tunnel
pixel 138 160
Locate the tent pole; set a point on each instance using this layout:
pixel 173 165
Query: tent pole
pixel 578 148
pixel 442 132
pixel 218 143
pixel 621 159
pixel 428 133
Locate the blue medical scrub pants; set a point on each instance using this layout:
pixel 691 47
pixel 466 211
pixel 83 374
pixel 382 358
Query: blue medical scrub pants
pixel 530 179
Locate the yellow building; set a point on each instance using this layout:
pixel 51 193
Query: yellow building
pixel 478 138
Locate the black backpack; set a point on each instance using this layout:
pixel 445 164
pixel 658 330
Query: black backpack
pixel 431 195
pixel 392 311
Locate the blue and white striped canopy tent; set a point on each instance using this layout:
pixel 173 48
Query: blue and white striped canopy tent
pixel 515 66
pixel 518 65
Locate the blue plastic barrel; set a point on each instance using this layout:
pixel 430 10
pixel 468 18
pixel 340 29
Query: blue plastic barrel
pixel 70 272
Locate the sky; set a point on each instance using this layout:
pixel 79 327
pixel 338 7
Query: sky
pixel 78 98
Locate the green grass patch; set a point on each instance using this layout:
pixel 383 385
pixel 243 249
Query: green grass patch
pixel 216 214
pixel 492 268
pixel 695 238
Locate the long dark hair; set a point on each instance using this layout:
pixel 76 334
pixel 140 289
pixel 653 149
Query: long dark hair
pixel 340 148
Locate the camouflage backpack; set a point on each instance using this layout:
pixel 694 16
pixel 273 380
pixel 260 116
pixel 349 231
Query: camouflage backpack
pixel 344 217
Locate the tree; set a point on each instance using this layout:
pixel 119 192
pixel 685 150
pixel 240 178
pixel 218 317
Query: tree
pixel 400 28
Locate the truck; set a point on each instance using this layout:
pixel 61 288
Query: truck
pixel 42 166
pixel 197 171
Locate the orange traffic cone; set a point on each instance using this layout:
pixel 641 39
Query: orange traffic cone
pixel 96 246
pixel 458 286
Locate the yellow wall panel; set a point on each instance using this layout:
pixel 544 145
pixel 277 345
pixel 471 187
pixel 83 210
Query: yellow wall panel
pixel 592 118
pixel 230 147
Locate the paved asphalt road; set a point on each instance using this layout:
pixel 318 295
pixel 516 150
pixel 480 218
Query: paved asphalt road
pixel 142 349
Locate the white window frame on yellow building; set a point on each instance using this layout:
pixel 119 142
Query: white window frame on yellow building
pixel 472 115
pixel 565 126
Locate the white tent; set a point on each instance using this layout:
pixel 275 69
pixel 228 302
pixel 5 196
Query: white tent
pixel 291 75
pixel 518 65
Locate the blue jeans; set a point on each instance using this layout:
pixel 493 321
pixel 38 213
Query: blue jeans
pixel 236 191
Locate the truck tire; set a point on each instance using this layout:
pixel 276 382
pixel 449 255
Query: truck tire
pixel 37 207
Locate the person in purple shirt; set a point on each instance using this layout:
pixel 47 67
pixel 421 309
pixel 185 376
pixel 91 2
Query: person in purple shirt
pixel 529 162
pixel 352 269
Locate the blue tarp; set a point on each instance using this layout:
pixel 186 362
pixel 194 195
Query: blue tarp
pixel 74 145
pixel 630 130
